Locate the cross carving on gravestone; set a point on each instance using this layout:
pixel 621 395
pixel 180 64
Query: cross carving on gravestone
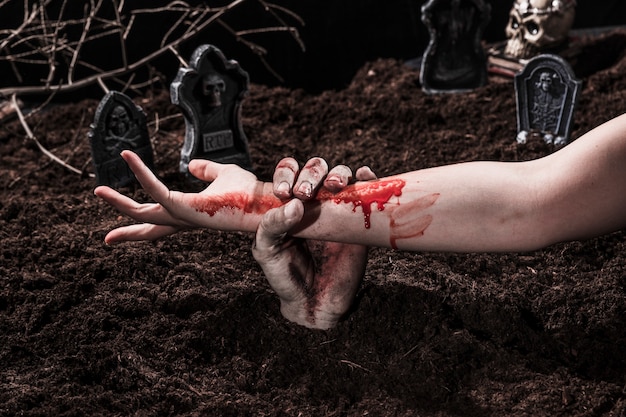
pixel 209 93
pixel 547 94
pixel 118 125
pixel 454 60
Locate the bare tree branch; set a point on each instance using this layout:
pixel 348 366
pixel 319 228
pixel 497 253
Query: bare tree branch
pixel 42 40
pixel 32 137
pixel 57 42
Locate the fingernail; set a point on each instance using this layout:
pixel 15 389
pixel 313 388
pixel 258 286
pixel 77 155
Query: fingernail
pixel 290 209
pixel 283 188
pixel 333 182
pixel 305 189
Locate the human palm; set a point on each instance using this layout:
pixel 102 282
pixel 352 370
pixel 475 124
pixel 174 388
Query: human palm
pixel 224 204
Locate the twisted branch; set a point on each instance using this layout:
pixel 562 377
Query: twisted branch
pixel 44 42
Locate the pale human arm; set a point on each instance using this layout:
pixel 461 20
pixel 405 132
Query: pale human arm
pixel 575 193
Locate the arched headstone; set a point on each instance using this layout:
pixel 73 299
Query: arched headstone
pixel 454 60
pixel 547 93
pixel 118 125
pixel 209 92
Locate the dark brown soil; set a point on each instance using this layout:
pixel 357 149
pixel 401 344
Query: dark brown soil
pixel 187 326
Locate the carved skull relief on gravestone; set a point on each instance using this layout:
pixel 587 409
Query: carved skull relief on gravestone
pixel 118 125
pixel 536 26
pixel 547 93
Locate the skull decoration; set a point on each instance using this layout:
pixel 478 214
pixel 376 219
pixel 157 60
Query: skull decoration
pixel 119 121
pixel 538 25
pixel 212 87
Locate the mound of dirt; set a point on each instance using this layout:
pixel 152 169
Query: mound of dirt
pixel 187 326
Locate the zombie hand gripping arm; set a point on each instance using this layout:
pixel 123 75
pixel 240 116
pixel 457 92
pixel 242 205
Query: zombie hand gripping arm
pixel 311 295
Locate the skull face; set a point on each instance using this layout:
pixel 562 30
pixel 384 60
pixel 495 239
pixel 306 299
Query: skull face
pixel 119 121
pixel 545 82
pixel 212 88
pixel 537 25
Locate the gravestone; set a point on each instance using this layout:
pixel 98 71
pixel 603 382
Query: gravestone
pixel 547 92
pixel 454 60
pixel 118 125
pixel 209 93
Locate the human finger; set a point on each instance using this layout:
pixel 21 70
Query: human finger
pixel 365 174
pixel 157 190
pixel 141 212
pixel 285 260
pixel 338 178
pixel 310 178
pixel 284 177
pixel 275 224
pixel 203 169
pixel 208 171
pixel 137 232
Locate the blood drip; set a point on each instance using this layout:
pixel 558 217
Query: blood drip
pixel 365 194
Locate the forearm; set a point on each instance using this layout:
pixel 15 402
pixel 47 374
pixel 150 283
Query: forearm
pixel 477 206
pixel 575 193
pixel 464 207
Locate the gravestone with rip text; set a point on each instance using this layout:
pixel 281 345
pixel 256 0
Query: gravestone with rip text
pixel 209 93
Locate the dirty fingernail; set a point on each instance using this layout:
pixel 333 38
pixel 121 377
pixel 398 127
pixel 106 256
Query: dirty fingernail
pixel 333 182
pixel 305 189
pixel 283 188
pixel 290 209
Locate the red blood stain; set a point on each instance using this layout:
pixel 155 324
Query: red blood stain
pixel 365 194
pixel 362 194
pixel 236 201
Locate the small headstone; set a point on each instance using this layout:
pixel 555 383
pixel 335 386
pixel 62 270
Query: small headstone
pixel 454 60
pixel 547 93
pixel 209 92
pixel 118 125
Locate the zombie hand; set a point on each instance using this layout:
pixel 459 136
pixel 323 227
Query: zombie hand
pixel 315 296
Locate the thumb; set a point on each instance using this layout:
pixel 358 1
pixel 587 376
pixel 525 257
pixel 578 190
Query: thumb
pixel 205 170
pixel 275 224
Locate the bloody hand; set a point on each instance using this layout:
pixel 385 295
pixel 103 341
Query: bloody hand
pixel 315 296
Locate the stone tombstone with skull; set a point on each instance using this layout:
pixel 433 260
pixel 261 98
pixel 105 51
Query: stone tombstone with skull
pixel 538 26
pixel 547 93
pixel 209 92
pixel 118 125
